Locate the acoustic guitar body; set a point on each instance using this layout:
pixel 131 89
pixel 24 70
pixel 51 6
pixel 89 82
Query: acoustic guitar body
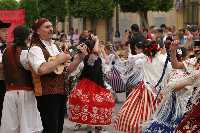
pixel 60 68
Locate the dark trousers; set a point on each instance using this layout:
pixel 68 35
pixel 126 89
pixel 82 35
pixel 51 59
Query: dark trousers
pixel 51 108
pixel 2 93
pixel 1 105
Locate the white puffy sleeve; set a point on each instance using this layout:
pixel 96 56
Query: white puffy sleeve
pixel 36 57
pixel 24 59
pixel 190 64
pixel 176 78
pixel 136 60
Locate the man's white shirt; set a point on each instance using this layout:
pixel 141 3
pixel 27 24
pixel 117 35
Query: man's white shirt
pixel 36 56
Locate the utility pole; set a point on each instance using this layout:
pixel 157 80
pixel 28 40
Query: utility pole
pixel 117 15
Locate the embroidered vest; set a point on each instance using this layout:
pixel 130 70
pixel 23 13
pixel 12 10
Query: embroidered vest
pixel 49 83
pixel 16 77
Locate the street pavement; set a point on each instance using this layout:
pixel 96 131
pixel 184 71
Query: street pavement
pixel 69 126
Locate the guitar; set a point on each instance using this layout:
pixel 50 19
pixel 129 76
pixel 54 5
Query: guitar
pixel 60 68
pixel 73 50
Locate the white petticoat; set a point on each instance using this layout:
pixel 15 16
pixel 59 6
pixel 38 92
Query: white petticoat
pixel 20 113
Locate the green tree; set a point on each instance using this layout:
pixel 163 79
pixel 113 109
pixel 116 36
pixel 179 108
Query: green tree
pixel 91 9
pixel 53 9
pixel 31 9
pixel 8 4
pixel 143 6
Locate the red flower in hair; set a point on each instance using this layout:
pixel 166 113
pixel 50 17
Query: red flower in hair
pixel 151 50
pixel 153 47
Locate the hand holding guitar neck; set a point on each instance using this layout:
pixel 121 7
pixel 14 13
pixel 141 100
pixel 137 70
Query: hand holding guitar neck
pixel 83 49
pixel 63 57
pixel 80 49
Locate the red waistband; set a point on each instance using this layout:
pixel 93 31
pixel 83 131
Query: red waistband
pixel 19 87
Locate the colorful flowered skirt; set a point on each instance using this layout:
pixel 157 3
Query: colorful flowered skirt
pixel 137 109
pixel 90 104
pixel 191 122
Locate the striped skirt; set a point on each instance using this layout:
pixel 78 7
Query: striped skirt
pixel 138 108
pixel 114 79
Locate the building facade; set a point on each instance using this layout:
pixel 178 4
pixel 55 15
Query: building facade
pixel 184 12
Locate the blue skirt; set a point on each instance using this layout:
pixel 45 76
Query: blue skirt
pixel 167 118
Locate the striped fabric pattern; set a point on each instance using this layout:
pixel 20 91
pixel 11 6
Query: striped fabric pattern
pixel 114 79
pixel 134 79
pixel 137 109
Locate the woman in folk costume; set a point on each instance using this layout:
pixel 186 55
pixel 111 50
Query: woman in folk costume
pixel 90 102
pixel 191 121
pixel 114 67
pixel 20 113
pixel 108 56
pixel 173 105
pixel 140 104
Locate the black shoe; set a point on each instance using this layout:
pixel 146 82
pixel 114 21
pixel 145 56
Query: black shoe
pixel 98 129
pixel 77 127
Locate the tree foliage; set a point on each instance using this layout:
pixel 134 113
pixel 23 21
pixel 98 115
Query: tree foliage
pixel 92 9
pixel 53 8
pixel 34 9
pixel 143 6
pixel 8 4
pixel 31 9
pixel 165 5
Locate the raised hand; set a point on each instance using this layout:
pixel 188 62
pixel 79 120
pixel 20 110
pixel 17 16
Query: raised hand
pixel 189 37
pixel 174 45
pixel 64 47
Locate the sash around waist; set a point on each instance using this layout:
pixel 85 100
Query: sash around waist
pixel 11 87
